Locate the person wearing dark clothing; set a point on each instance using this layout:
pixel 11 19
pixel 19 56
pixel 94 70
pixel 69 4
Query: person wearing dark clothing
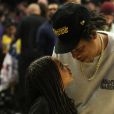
pixel 46 79
pixel 45 36
pixel 1 33
pixel 45 40
pixel 40 106
pixel 26 31
pixel 43 8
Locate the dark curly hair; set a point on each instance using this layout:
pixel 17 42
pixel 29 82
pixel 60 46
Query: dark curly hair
pixel 43 79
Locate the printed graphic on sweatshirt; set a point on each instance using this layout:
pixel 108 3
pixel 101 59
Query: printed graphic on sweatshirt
pixel 107 84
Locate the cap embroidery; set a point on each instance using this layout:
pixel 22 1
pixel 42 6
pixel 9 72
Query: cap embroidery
pixel 82 22
pixel 61 31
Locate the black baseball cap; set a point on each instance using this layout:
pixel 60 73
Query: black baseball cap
pixel 68 24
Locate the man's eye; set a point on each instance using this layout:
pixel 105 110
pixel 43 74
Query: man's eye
pixel 77 50
pixel 80 49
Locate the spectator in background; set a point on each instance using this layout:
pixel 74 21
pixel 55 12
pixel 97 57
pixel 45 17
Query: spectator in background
pixel 2 17
pixel 8 36
pixel 92 5
pixel 107 9
pixel 21 10
pixel 26 31
pixel 45 37
pixel 44 9
pixel 52 8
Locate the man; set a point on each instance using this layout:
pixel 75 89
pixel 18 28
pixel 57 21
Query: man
pixel 45 36
pixel 90 54
pixel 52 8
pixel 92 5
pixel 26 31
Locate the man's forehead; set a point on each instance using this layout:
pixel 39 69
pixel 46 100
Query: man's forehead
pixel 52 6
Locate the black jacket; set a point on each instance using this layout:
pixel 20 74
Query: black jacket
pixel 40 107
pixel 27 31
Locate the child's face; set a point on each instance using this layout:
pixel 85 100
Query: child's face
pixel 65 72
pixel 11 30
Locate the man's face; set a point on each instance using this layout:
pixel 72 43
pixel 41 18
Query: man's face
pixel 85 51
pixel 52 8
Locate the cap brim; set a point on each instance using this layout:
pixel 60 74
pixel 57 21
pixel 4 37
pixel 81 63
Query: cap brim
pixel 64 47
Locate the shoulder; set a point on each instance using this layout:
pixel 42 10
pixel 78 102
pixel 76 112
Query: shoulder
pixel 110 34
pixel 40 106
pixel 43 27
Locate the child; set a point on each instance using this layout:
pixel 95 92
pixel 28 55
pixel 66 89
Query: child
pixel 45 83
pixel 8 36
